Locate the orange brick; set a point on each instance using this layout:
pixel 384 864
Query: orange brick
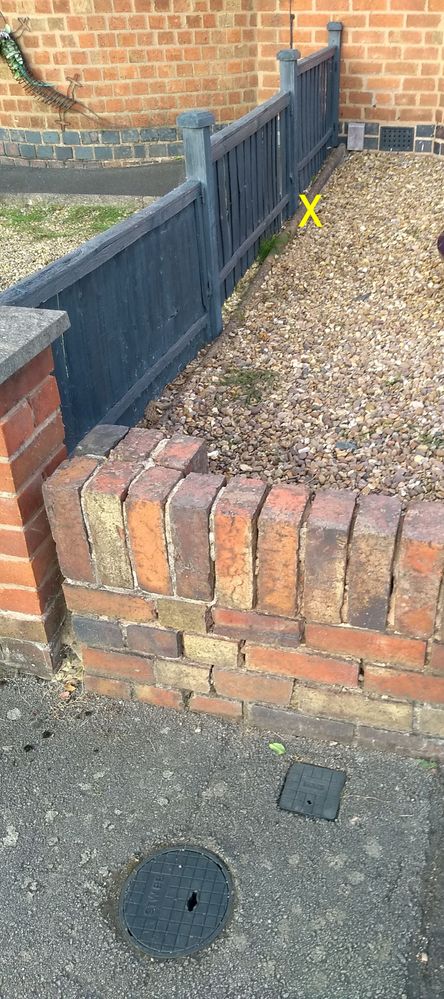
pixel 106 687
pixel 372 646
pixel 256 627
pixel 62 498
pixel 145 511
pixel 252 687
pixel 370 560
pixel 45 399
pixel 420 568
pixel 109 603
pixel 15 428
pixel 24 381
pixel 23 465
pixel 215 706
pixel 185 454
pixel 117 664
pixel 302 665
pixel 278 546
pixel 235 526
pixel 414 686
pixel 328 527
pixel 159 696
pixel 189 519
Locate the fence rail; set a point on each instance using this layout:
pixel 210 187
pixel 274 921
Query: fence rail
pixel 143 297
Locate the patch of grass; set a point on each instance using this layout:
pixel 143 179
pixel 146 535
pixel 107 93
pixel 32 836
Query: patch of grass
pixel 249 383
pixel 432 440
pixel 272 244
pixel 97 218
pixel 427 764
pixel 42 222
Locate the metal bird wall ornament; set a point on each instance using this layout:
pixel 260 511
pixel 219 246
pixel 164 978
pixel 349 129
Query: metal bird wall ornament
pixel 11 52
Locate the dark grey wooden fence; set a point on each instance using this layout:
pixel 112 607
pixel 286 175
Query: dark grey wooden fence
pixel 143 297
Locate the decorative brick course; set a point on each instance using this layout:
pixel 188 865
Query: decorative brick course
pixel 339 559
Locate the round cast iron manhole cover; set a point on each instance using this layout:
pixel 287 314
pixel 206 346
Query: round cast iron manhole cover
pixel 176 902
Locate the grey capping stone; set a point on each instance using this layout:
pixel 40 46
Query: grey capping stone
pixel 24 333
pixel 99 441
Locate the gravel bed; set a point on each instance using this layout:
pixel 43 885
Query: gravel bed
pixel 334 374
pixel 34 231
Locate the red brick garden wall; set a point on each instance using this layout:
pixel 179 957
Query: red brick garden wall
pixel 31 446
pixel 320 616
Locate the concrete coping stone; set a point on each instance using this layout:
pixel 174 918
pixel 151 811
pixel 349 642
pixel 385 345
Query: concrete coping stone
pixel 24 333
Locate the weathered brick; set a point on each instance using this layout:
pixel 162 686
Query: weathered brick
pixel 430 721
pixel 24 542
pixel 62 498
pixel 420 569
pixel 215 706
pixel 18 469
pixel 15 428
pixel 404 743
pixel 415 686
pixel 215 651
pixel 136 446
pixel 102 499
pixel 302 665
pixel 41 628
pixel 278 546
pixel 248 625
pixel 153 641
pixel 252 687
pixel 177 673
pixel 91 631
pixel 45 400
pixel 370 560
pixel 145 511
pixel 354 707
pixel 282 722
pixel 158 696
pixel 117 664
pixel 183 615
pixel 25 380
pixel 437 658
pixel 327 532
pixel 106 687
pixel 189 520
pixel 30 656
pixel 109 603
pixel 235 530
pixel 372 646
pixel 183 453
pixel 99 441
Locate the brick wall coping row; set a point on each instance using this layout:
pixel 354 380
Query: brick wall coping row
pixel 25 333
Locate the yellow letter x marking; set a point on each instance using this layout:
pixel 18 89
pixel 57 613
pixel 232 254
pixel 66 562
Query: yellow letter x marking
pixel 310 213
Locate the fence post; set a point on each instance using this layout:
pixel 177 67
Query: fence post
pixel 334 29
pixel 288 72
pixel 195 127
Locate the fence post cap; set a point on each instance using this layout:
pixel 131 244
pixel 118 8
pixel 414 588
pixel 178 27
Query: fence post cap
pixel 335 26
pixel 195 119
pixel 288 55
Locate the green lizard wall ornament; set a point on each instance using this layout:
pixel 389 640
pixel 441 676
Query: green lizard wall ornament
pixel 11 51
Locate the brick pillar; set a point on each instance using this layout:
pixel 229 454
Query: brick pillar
pixel 31 446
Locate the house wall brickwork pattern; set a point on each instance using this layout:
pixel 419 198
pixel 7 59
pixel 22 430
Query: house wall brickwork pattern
pixel 141 63
pixel 319 616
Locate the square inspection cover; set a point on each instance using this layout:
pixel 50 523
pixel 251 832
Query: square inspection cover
pixel 313 791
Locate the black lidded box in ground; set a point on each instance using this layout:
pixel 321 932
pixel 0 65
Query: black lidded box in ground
pixel 312 791
pixel 176 902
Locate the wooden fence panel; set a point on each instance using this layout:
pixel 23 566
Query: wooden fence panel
pixel 137 300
